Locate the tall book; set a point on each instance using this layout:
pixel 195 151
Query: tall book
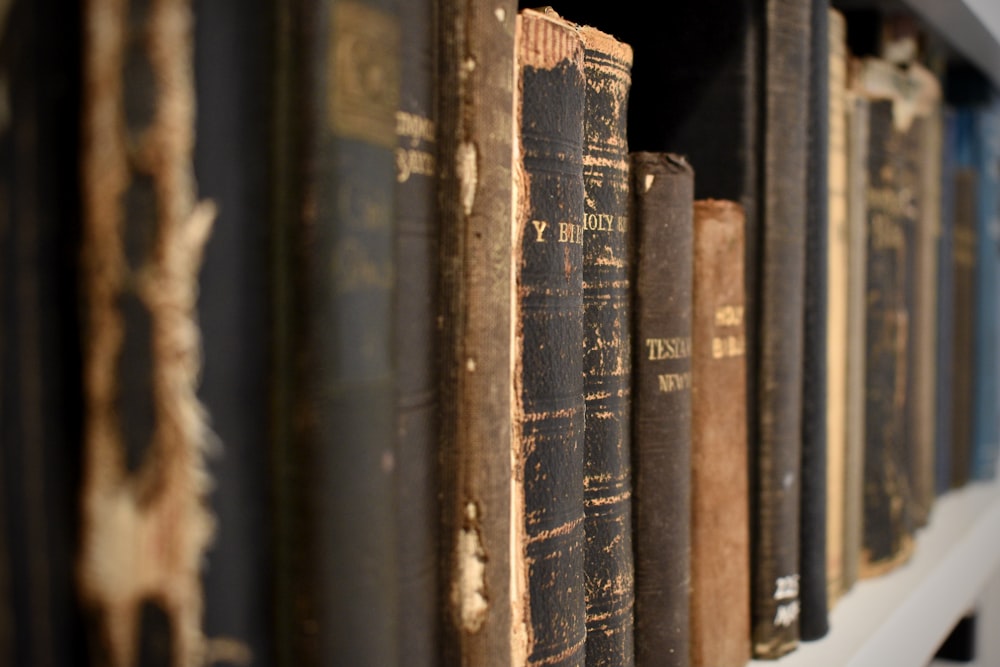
pixel 720 531
pixel 945 327
pixel 40 364
pixel 929 155
pixel 338 93
pixel 662 214
pixel 476 120
pixel 416 353
pixel 963 335
pixel 857 261
pixel 813 621
pixel 986 386
pixel 607 360
pixel 548 585
pixel 234 84
pixel 146 520
pixel 893 185
pixel 777 378
pixel 838 273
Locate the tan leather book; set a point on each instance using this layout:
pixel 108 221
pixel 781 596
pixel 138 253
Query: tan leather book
pixel 836 333
pixel 720 533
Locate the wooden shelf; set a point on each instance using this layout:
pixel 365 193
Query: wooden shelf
pixel 902 617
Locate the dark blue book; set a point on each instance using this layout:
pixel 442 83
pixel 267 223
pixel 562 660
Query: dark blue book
pixel 985 152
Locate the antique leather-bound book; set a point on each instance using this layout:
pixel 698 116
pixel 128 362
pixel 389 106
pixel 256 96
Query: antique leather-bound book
pixel 928 153
pixel 813 621
pixel 720 530
pixel 963 302
pixel 416 312
pixel 338 90
pixel 945 326
pixel 776 439
pixel 662 215
pixel 146 432
pixel 854 410
pixel 475 154
pixel 607 481
pixel 548 404
pixel 886 500
pixel 837 300
pixel 234 79
pixel 40 372
pixel 986 384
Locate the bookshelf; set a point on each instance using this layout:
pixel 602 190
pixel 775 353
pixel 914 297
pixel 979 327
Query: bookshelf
pixel 902 617
pixel 972 27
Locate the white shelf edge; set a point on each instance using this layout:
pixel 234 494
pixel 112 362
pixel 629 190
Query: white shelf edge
pixel 972 27
pixel 901 618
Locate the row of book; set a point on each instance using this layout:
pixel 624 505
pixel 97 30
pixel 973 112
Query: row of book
pixel 453 333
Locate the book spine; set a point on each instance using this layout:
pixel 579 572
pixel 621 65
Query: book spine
pixel 145 430
pixel 476 120
pixel 416 310
pixel 40 365
pixel 662 211
pixel 886 474
pixel 986 396
pixel 964 260
pixel 837 305
pixel 338 572
pixel 925 369
pixel 234 62
pixel 720 532
pixel 607 482
pixel 857 261
pixel 813 621
pixel 548 337
pixel 776 442
pixel 945 325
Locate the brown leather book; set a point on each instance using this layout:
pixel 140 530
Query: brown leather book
pixel 475 157
pixel 720 531
pixel 662 200
pixel 857 259
pixel 964 259
pixel 548 404
pixel 607 369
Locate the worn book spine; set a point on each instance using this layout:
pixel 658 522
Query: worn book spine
pixel 886 540
pixel 475 153
pixel 338 585
pixel 775 444
pixel 145 433
pixel 720 531
pixel 548 410
pixel 986 388
pixel 662 215
pixel 40 365
pixel 607 481
pixel 945 325
pixel 234 65
pixel 813 621
pixel 838 273
pixel 857 260
pixel 964 261
pixel 929 159
pixel 416 353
